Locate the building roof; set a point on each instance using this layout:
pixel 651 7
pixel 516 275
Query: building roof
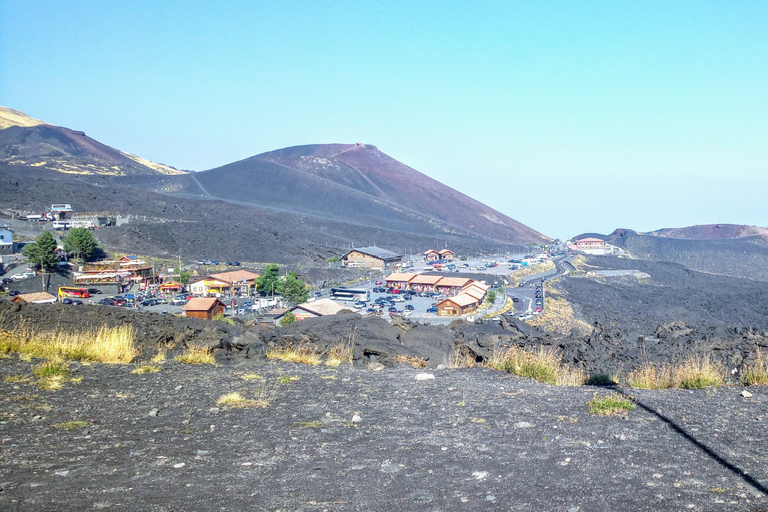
pixel 426 279
pixel 454 281
pixel 590 240
pixel 234 276
pixel 476 284
pixel 461 299
pixel 377 252
pixel 474 292
pixel 323 307
pixel 201 304
pixel 36 298
pixel 429 251
pixel 400 276
pixel 444 251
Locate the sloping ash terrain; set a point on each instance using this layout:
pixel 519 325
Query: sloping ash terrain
pixel 162 225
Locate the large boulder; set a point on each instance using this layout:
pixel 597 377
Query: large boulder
pixel 434 343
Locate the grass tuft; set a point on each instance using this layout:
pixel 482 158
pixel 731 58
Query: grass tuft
pixel 610 404
pixel 285 379
pixel 310 424
pixel 694 373
pixel 196 355
pixel 542 365
pixel 251 376
pixel 416 362
pixel 650 376
pixel 462 358
pixel 699 373
pixel 236 401
pixel 71 425
pixel 146 368
pixel 756 374
pixel 295 354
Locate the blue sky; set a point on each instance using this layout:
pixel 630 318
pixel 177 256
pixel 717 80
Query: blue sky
pixel 570 117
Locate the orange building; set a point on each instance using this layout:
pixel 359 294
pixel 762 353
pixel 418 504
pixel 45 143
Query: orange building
pixel 204 307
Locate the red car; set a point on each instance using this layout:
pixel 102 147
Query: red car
pixel 379 282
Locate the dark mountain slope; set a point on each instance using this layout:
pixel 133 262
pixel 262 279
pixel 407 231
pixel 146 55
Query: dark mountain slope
pixel 712 232
pixel 368 170
pixel 745 257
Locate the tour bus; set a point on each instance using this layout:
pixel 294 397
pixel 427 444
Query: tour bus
pixel 61 207
pixel 70 291
pixel 351 294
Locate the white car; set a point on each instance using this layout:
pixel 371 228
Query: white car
pixel 398 299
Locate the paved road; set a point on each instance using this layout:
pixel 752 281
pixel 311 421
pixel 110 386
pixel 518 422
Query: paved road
pixel 526 294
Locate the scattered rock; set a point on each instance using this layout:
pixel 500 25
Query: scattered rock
pixel 746 394
pixel 425 376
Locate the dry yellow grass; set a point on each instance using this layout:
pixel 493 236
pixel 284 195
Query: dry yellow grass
pixel 568 376
pixel 160 356
pixel 340 353
pixel 542 364
pixel 196 355
pixel 698 373
pixel 695 373
pixel 146 368
pixel 650 376
pixel 236 401
pixel 558 315
pixel 462 358
pixel 305 354
pixel 416 362
pixel 106 345
pixel 756 374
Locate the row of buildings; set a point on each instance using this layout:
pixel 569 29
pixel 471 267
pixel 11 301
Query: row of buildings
pixel 464 294
pixel 376 257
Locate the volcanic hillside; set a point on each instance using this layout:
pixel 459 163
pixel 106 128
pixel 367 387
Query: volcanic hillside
pixel 354 183
pixel 722 249
pixel 26 141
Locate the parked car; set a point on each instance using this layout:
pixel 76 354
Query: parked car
pixel 399 299
pixel 409 307
pixel 94 291
pixel 360 305
pixel 74 302
pixel 393 310
pixel 515 299
pixel 432 310
pixel 538 302
pixel 379 282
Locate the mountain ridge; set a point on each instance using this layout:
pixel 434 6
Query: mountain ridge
pixel 31 142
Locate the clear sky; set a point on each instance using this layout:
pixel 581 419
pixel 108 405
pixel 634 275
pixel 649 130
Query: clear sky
pixel 568 116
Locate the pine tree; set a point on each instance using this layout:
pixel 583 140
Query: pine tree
pixel 42 252
pixel 293 289
pixel 80 242
pixel 269 281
